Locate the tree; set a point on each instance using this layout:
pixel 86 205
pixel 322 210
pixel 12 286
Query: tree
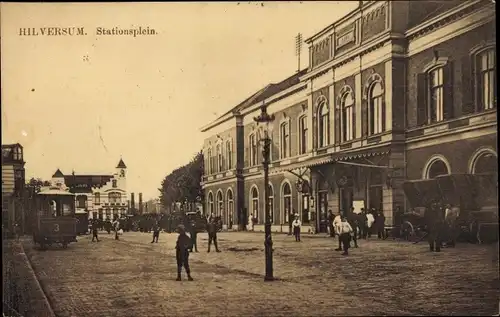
pixel 34 185
pixel 183 184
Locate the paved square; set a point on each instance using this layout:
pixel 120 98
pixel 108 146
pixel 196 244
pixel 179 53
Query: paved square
pixel 132 277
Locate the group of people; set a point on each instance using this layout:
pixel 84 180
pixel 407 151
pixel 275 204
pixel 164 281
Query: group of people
pixel 96 225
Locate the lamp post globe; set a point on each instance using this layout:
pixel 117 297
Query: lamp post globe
pixel 265 128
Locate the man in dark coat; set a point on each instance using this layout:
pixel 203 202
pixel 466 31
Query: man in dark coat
pixel 434 217
pixel 156 232
pixel 193 232
pixel 181 253
pixel 353 221
pixel 95 230
pixel 212 234
pixel 330 223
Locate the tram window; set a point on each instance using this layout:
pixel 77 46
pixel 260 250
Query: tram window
pixel 66 210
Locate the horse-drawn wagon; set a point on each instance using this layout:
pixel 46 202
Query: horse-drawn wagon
pixel 467 198
pixel 55 218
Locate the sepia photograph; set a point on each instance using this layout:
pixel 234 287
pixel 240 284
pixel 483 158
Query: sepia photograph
pixel 275 158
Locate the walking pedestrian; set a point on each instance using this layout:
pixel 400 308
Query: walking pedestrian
pixel 337 222
pixel 212 234
pixel 181 253
pixel 116 227
pixel 156 232
pixel 380 223
pixel 352 218
pixel 94 230
pixel 194 233
pixel 345 235
pixel 296 224
pixel 370 219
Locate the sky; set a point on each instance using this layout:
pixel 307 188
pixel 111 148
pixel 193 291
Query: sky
pixel 79 103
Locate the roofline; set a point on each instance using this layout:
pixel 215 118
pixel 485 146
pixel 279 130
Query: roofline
pixel 340 20
pixel 12 144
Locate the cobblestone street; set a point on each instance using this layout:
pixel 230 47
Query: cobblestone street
pixel 132 277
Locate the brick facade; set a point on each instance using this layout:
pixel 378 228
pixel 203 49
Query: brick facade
pixel 373 49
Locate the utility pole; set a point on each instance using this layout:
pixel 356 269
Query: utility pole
pixel 298 49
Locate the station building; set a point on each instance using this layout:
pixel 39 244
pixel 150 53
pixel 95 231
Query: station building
pixel 101 197
pixel 394 91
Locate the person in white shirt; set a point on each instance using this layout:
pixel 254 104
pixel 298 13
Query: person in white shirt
pixel 369 223
pixel 345 231
pixel 296 228
pixel 337 220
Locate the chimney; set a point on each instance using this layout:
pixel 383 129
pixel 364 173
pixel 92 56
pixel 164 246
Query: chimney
pixel 132 203
pixel 140 203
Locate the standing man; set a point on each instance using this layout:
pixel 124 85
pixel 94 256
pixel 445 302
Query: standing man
pixel 296 228
pixel 156 232
pixel 212 234
pixel 182 254
pixel 345 235
pixel 370 219
pixel 116 227
pixel 193 232
pixel 94 230
pixel 380 222
pixel 337 223
pixel 352 218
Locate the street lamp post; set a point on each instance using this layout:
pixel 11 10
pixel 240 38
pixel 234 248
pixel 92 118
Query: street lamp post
pixel 264 120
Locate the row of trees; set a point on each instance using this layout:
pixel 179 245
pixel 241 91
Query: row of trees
pixel 183 184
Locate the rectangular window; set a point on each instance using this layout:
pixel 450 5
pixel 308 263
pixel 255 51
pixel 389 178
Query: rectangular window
pixel 114 183
pixel 436 86
pixel 219 159
pixel 229 156
pixel 487 79
pixel 285 139
pixel 97 198
pixel 303 135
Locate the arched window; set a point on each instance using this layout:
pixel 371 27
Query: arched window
pixel 437 167
pixel 323 125
pixel 347 116
pixel 254 198
pixel 230 204
pixel 376 112
pixel 229 155
pixel 487 79
pixel 115 197
pixel 210 203
pixel 485 163
pixel 220 204
pixel 285 140
pixel 81 201
pixel 97 198
pixel 270 201
pixel 287 202
pixel 219 158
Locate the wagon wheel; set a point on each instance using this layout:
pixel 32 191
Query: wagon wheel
pixel 407 231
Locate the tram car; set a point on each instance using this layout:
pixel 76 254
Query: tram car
pixel 55 218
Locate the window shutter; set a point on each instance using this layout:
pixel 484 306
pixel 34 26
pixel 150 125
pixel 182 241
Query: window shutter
pixel 448 81
pixel 468 83
pixel 293 141
pixel 337 125
pixel 384 119
pixel 364 116
pixel 422 99
pixel 354 121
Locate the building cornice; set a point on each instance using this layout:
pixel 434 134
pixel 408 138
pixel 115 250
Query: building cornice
pixel 443 19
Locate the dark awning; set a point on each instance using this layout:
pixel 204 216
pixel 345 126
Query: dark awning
pixel 363 154
pixel 306 163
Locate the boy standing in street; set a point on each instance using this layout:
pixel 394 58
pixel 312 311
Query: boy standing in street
pixel 182 254
pixel 94 231
pixel 296 228
pixel 156 232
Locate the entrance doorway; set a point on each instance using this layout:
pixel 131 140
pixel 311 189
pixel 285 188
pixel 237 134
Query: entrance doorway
pixel 346 198
pixel 322 211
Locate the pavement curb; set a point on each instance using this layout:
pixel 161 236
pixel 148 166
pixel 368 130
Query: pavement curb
pixel 49 311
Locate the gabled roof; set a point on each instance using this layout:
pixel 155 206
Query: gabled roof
pixel 266 92
pixel 121 164
pixel 58 173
